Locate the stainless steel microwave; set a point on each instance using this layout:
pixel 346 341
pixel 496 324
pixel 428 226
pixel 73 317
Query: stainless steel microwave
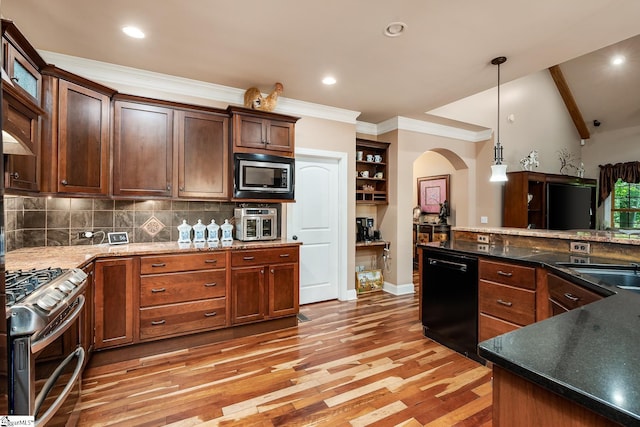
pixel 263 176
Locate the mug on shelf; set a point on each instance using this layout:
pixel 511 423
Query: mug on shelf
pixel 359 155
pixel 369 157
pixel 377 158
pixel 364 174
pixel 379 175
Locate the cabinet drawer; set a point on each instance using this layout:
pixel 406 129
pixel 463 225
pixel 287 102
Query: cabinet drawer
pixel 489 327
pixel 507 302
pixel 509 274
pixel 182 318
pixel 569 294
pixel 182 262
pixel 157 289
pixel 264 256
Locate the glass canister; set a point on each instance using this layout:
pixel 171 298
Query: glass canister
pixel 184 230
pixel 198 232
pixel 212 230
pixel 227 232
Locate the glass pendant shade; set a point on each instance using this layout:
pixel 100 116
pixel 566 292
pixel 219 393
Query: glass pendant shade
pixel 498 173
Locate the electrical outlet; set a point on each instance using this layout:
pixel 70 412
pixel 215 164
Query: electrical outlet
pixel 483 248
pixel 85 235
pixel 580 247
pixel 483 238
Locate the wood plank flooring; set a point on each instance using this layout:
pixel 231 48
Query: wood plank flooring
pixel 355 363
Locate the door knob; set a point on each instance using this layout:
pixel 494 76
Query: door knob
pixel 294 237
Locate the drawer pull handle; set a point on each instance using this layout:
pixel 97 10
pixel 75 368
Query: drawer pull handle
pixel 210 285
pixel 284 255
pixel 210 314
pixel 155 291
pixel 248 258
pixel 504 273
pixel 571 297
pixel 506 303
pixel 160 264
pixel 210 261
pixel 158 322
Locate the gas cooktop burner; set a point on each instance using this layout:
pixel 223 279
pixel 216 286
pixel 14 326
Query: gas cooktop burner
pixel 20 283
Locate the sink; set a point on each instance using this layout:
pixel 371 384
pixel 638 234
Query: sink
pixel 622 277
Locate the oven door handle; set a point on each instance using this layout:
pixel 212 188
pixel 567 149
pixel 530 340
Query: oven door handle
pixel 41 343
pixel 44 418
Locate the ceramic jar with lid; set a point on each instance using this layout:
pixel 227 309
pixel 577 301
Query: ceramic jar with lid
pixel 184 230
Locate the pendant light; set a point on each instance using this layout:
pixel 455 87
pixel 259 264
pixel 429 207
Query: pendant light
pixel 498 170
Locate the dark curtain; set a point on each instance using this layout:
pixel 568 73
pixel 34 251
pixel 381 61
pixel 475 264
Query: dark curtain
pixel 609 175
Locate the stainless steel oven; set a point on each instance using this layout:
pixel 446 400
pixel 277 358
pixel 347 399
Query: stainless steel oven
pixel 256 223
pixel 45 310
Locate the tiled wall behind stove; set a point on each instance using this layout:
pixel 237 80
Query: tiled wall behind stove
pixel 43 221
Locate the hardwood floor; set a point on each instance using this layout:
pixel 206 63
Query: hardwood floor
pixel 353 363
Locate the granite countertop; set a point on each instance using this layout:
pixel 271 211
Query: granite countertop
pixel 589 355
pixel 78 256
pixel 625 237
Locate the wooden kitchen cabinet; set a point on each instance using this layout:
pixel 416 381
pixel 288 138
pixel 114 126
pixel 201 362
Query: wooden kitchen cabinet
pixel 372 189
pixel 21 62
pixel 203 152
pixel 565 295
pixel 143 148
pixel 182 294
pixel 21 119
pixel 114 302
pixel 264 284
pixel 76 134
pixel 506 297
pixel 256 131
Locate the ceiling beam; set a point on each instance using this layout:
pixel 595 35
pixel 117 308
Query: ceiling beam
pixel 569 102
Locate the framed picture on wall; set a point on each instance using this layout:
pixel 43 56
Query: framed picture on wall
pixel 432 191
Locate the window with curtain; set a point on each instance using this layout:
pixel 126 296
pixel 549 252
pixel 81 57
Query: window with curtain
pixel 625 205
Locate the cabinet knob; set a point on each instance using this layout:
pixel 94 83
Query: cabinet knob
pixel 181 188
pixel 168 187
pixel 272 271
pixel 15 175
pixel 64 182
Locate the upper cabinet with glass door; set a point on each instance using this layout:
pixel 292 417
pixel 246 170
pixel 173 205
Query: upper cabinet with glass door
pixel 21 62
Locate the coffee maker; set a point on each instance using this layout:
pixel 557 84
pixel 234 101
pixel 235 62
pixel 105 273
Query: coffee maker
pixel 365 230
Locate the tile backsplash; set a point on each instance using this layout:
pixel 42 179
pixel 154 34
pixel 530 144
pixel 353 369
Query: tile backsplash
pixel 44 221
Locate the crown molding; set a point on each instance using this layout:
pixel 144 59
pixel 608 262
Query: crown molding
pixel 117 75
pixel 421 126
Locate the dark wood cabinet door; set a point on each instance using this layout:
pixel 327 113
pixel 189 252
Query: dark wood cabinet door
pixel 280 136
pixel 203 166
pixel 22 171
pixel 143 146
pixel 83 140
pixel 248 294
pixel 283 290
pixel 249 132
pixel 113 302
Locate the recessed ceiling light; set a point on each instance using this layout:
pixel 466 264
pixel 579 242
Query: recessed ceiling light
pixel 134 32
pixel 395 29
pixel 618 60
pixel 329 80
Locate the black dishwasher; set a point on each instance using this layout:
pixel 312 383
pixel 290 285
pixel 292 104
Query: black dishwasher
pixel 450 300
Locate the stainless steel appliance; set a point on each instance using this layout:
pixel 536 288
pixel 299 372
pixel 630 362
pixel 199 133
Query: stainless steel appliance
pixel 263 176
pixel 46 356
pixel 256 223
pixel 450 301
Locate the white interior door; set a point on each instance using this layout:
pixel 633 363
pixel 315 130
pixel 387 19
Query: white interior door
pixel 314 220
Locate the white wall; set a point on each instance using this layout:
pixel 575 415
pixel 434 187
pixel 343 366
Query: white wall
pixel 541 123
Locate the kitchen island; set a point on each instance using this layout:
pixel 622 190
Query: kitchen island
pixel 585 362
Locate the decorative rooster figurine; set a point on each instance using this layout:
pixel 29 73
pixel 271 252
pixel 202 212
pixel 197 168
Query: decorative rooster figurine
pixel 253 98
